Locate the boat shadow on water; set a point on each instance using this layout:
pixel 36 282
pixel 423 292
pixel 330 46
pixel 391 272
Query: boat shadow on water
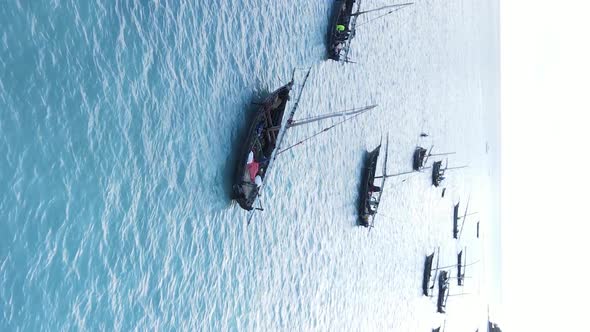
pixel 245 120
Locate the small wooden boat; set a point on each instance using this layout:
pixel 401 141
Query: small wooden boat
pixel 259 146
pixel 370 194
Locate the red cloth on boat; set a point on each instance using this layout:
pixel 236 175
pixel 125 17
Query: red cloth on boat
pixel 253 169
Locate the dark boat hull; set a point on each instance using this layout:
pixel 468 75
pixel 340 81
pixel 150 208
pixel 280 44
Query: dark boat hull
pixel 437 173
pixel 443 291
pixel 341 16
pixel 419 157
pixel 427 275
pixel 261 141
pixel 367 180
pixel 460 275
pixel 456 221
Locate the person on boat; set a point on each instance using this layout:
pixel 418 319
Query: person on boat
pixel 252 165
pixel 264 160
pixel 373 188
pixel 259 127
pixel 372 205
pixel 340 28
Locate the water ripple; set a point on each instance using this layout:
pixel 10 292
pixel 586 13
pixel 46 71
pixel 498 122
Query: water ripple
pixel 118 123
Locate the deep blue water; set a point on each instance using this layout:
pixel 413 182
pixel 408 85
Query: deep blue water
pixel 118 126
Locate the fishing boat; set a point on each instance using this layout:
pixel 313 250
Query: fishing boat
pixel 344 23
pixel 428 280
pixel 421 156
pixel 455 220
pixel 460 268
pixel 427 274
pixel 261 144
pixel 438 172
pixel 342 29
pixel 370 195
pixel 443 291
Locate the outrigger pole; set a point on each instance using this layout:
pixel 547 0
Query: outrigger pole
pixel 382 183
pixel 464 216
pixel 441 154
pixel 259 208
pixel 381 8
pixel 353 111
pixel 356 113
pixel 389 12
pixel 291 114
pixel 458 167
pixel 392 175
pixel 435 154
pixel 449 266
pixel 435 272
pixel 469 214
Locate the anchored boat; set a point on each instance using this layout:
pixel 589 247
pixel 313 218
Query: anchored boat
pixel 438 172
pixel 343 26
pixel 342 29
pixel 443 291
pixel 421 156
pixel 461 268
pixel 428 280
pixel 260 145
pixel 370 193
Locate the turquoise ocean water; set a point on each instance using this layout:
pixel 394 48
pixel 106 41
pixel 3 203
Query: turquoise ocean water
pixel 118 122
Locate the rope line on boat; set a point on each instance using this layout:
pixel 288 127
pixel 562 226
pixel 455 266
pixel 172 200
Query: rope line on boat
pixel 401 6
pixel 318 133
